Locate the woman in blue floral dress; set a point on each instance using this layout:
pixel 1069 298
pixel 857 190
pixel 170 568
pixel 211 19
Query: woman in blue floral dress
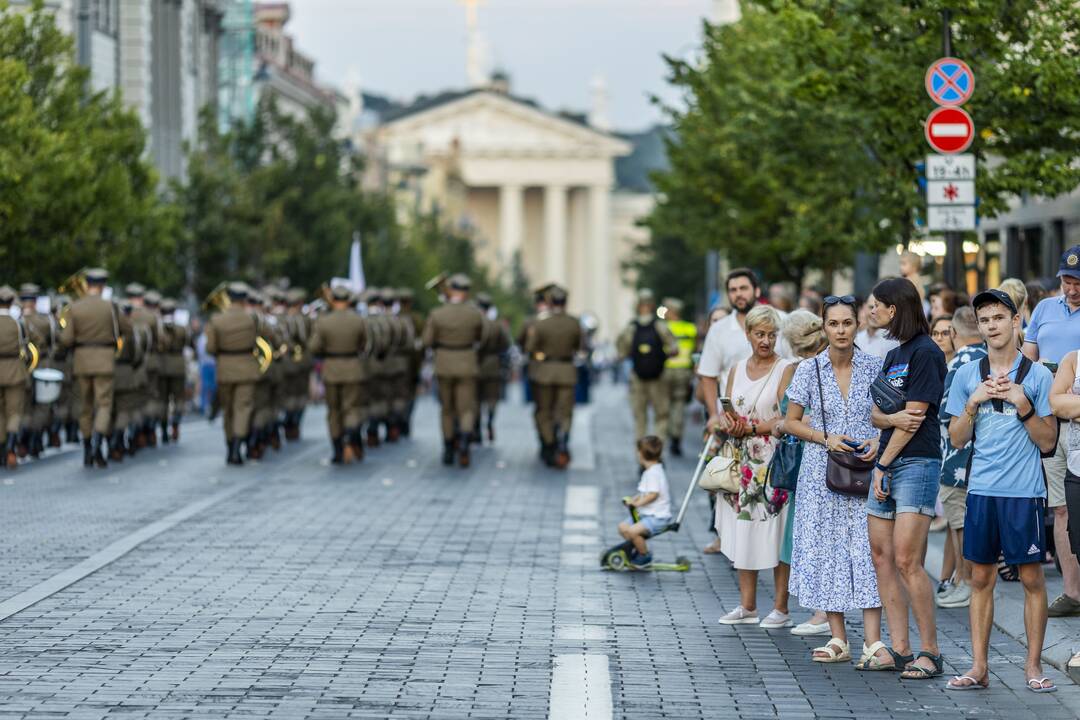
pixel 831 567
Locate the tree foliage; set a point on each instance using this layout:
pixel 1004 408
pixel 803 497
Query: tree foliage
pixel 803 123
pixel 75 188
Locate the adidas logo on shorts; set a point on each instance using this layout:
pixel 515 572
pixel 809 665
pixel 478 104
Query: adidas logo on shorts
pixel 1033 550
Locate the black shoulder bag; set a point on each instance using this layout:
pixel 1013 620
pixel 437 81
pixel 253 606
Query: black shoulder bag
pixel 845 472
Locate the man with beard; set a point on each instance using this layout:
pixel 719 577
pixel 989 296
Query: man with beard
pixel 726 343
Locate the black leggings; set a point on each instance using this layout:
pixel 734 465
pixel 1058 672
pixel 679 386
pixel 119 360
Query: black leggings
pixel 1072 503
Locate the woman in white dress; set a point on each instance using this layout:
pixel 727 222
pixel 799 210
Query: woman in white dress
pixel 751 522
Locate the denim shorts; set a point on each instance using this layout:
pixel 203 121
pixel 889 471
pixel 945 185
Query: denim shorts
pixel 912 484
pixel 653 524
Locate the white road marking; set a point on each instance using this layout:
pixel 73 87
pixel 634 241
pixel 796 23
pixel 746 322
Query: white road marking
pixel 114 551
pixel 584 605
pixel 580 688
pixel 580 632
pixel 572 524
pixel 578 558
pixel 579 540
pixel 582 455
pixel 582 501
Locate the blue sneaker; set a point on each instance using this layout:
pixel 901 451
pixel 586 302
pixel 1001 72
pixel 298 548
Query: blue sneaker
pixel 641 561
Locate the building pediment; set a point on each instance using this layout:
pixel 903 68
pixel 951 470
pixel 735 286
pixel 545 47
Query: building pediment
pixel 489 124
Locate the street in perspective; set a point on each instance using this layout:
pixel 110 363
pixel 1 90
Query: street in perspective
pixel 485 359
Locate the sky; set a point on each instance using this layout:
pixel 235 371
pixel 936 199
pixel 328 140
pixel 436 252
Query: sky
pixel 552 49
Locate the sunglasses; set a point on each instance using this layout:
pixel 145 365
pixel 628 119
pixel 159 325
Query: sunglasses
pixel 839 299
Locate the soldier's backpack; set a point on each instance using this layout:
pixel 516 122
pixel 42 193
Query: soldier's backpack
pixel 647 351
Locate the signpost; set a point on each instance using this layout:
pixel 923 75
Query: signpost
pixel 950 82
pixel 949 130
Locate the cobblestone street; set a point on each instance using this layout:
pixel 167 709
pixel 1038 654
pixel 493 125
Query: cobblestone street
pixel 171 587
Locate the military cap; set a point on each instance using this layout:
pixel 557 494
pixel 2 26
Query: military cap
pixel 340 292
pixel 405 294
pixel 7 294
pixel 29 291
pixel 236 290
pixel 389 295
pixel 557 295
pixel 374 295
pixel 646 295
pixel 540 293
pixel 97 275
pixel 296 296
pixel 153 298
pixel 673 303
pixel 460 281
pixel 483 300
pixel 134 290
pixel 168 305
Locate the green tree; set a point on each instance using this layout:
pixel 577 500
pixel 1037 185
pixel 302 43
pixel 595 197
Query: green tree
pixel 75 188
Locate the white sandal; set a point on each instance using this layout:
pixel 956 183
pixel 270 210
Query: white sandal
pixel 834 655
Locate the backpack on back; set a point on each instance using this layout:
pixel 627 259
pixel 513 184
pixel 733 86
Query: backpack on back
pixel 647 351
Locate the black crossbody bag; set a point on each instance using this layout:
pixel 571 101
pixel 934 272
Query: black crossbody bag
pixel 845 472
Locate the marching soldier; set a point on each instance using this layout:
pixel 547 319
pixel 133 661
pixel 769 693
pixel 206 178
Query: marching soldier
pixel 339 337
pixel 298 372
pixel 397 362
pixel 273 315
pixel 679 370
pixel 13 376
pixel 129 388
pixel 540 311
pixel 66 410
pixel 551 344
pixel 454 331
pixel 172 371
pixel 40 330
pixel 230 337
pixel 383 337
pixel 145 319
pixel 490 384
pixel 92 329
pixel 648 342
pixel 414 353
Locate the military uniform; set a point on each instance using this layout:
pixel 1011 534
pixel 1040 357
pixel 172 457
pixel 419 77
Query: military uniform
pixel 339 337
pixel 414 353
pixel 13 376
pixel 92 328
pixel 172 371
pixel 230 337
pixel 42 331
pixel 650 391
pixel 454 331
pixel 679 371
pixel 129 389
pixel 66 410
pixel 551 344
pixel 490 383
pixel 147 323
pixel 384 333
pixel 298 369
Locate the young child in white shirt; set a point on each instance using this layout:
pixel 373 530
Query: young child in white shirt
pixel 653 501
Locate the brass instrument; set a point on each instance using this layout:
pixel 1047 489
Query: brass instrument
pixel 297 352
pixel 218 299
pixel 75 287
pixel 438 283
pixel 30 355
pixel 263 353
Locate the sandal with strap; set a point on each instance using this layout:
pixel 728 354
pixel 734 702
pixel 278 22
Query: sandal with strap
pixel 835 655
pixel 966 682
pixel 1008 573
pixel 871 662
pixel 923 673
pixel 1036 685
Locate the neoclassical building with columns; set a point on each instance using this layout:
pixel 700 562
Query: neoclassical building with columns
pixel 530 184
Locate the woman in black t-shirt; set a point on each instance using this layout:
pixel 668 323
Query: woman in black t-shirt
pixel 901 503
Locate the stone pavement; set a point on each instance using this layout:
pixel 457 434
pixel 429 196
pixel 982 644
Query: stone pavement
pixel 398 588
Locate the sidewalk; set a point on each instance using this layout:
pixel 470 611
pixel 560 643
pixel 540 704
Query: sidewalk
pixel 1062 634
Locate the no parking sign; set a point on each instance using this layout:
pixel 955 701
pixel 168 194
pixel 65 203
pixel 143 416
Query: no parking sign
pixel 950 82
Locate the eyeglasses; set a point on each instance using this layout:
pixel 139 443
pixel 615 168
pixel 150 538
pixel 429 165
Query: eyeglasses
pixel 941 333
pixel 839 299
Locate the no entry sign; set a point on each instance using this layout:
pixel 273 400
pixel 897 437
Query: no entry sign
pixel 950 82
pixel 949 130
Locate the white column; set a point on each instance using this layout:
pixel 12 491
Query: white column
pixel 555 233
pixel 601 258
pixel 511 217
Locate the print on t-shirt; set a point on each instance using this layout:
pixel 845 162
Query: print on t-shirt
pixel 897 375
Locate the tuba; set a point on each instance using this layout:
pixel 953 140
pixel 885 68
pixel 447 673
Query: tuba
pixel 75 287
pixel 218 299
pixel 264 354
pixel 31 356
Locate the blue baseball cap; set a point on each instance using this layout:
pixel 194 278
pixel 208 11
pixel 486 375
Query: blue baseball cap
pixel 1070 262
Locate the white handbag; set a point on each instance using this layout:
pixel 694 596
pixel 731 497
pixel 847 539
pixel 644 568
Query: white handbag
pixel 722 472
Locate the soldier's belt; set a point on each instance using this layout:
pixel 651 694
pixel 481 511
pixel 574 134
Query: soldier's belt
pixel 440 346
pixel 353 354
pixel 236 352
pixel 544 358
pixel 8 355
pixel 109 344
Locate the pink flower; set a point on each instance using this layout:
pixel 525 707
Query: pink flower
pixel 747 473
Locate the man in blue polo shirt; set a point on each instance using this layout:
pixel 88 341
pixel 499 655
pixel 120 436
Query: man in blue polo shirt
pixel 1054 331
pixel 1008 418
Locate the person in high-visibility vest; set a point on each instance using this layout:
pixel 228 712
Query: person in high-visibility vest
pixel 679 369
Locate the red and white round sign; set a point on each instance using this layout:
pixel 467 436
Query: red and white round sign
pixel 949 130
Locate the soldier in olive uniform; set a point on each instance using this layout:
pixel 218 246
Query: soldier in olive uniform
pixel 490 384
pixel 172 371
pixel 298 370
pixel 230 338
pixel 384 336
pixel 93 327
pixel 145 320
pixel 397 364
pixel 129 388
pixel 551 344
pixel 67 409
pixel 13 376
pixel 648 342
pixel 454 331
pixel 414 353
pixel 679 370
pixel 540 311
pixel 42 331
pixel 339 337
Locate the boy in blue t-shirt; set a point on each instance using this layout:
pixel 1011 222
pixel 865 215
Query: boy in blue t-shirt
pixel 1011 423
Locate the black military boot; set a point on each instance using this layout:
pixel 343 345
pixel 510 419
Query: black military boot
pixel 11 457
pixel 491 426
pixel 96 441
pixel 463 449
pixel 71 431
pixel 23 447
pixel 338 457
pixel 562 451
pixel 676 447
pixel 37 444
pixel 164 432
pixel 373 434
pixel 116 446
pixel 88 454
pixel 234 453
pixel 132 439
pixel 175 435
pixel 54 434
pixel 448 452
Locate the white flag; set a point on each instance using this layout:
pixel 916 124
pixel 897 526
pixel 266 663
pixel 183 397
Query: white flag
pixel 356 266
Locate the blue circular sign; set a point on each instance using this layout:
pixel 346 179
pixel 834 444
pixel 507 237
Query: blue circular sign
pixel 950 82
